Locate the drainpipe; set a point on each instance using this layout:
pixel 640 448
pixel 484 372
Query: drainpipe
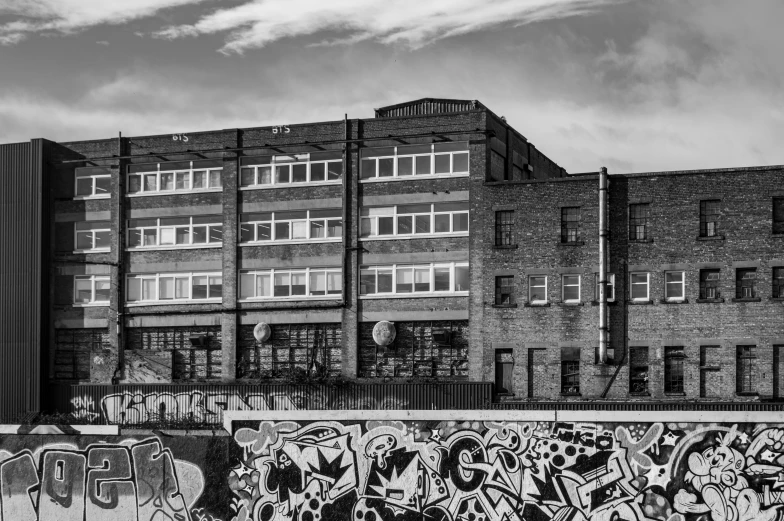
pixel 603 261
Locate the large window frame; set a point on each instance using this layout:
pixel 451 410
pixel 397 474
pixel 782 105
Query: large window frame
pixel 746 283
pixel 424 161
pixel 638 370
pixel 182 288
pixel 609 287
pixel 674 359
pixel 99 185
pixel 709 217
pixel 710 283
pixel 396 277
pixel 291 170
pixel 778 215
pixel 745 369
pixel 638 221
pixel 256 227
pixel 569 283
pixel 94 234
pixel 778 282
pixel 97 290
pixel 505 290
pixel 636 282
pixel 504 228
pixel 570 224
pixel 391 219
pixel 332 282
pixel 535 282
pixel 181 180
pixel 210 227
pixel 672 286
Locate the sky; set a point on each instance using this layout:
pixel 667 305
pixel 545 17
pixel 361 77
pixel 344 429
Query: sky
pixel 632 85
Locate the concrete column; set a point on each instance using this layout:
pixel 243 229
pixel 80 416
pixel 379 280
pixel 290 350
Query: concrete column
pixel 230 229
pixel 350 322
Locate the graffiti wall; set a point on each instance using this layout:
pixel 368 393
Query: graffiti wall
pixel 86 478
pixel 507 471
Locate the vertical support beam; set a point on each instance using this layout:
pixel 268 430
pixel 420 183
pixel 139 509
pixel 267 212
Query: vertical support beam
pixel 603 329
pixel 350 315
pixel 509 166
pixel 230 207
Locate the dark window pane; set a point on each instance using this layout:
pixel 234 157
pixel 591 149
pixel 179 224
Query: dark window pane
pixel 318 172
pixel 386 167
pixel 102 185
pixel 443 222
pixel 384 281
pixel 334 170
pixel 460 162
pixel 443 165
pixel 385 225
pixel 460 223
pixel 102 239
pixel 368 168
pixel 216 233
pixel 199 234
pixel 405 224
pixel 299 173
pixel 405 166
pixel 282 231
pixel 367 282
pixel 423 165
pixel 264 232
pixel 247 177
pixel 422 224
pixel 282 173
pixel 441 279
pixel 199 287
pixel 246 232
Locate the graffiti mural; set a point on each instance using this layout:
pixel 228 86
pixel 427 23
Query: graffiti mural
pixel 507 471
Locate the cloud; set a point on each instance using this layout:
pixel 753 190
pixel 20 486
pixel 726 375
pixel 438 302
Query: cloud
pixel 411 23
pixel 71 16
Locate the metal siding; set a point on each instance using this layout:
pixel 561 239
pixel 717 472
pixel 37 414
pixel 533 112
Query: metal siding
pixel 423 108
pixel 21 208
pixel 448 395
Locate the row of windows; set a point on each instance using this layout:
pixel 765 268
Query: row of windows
pixel 639 370
pixel 414 219
pixel 640 286
pixel 639 222
pixel 296 169
pixel 175 231
pixel 171 181
pixel 269 284
pixel 408 161
pixel 302 225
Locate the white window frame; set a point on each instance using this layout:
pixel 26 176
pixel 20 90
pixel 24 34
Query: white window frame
pixel 289 271
pixel 394 209
pixel 430 267
pixel 158 227
pixel 610 284
pixel 682 284
pixel 157 278
pixel 92 232
pixel 647 286
pixel 283 160
pixel 563 287
pixel 308 220
pixel 395 159
pixel 93 280
pixel 93 195
pixel 209 186
pixel 546 290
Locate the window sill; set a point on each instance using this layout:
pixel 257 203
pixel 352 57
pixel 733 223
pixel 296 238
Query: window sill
pixel 388 238
pixel 176 192
pixel 753 299
pixel 505 395
pixel 673 301
pixel 88 197
pixel 641 394
pixel 97 250
pixel 570 304
pixel 777 299
pixel 777 235
pixel 571 394
pixel 505 247
pixel 91 305
pixel 296 298
pixel 414 295
pixel 639 302
pixel 502 306
pixel 175 247
pixel 709 300
pixel 412 177
pixel 750 393
pixel 289 185
pixel 609 302
pixel 572 243
pixel 641 241
pixel 173 302
pixel 536 305
pixel 710 368
pixel 277 243
pixel 674 394
pixel 713 238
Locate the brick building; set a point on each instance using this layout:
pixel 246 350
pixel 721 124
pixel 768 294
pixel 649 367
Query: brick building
pixel 153 258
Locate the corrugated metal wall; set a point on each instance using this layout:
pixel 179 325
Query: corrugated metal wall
pixel 180 401
pixel 426 107
pixel 22 280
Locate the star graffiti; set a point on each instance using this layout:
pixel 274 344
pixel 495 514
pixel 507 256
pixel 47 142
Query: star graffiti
pixel 669 439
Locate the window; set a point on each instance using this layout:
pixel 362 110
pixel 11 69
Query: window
pixel 414 161
pixel 570 224
pixel 746 369
pixel 504 365
pixel 418 279
pixel 709 218
pixel 778 282
pixel 570 370
pixel 175 232
pixel 414 220
pixel 504 226
pixel 92 237
pixel 164 288
pixel 710 281
pixel 537 289
pixel 92 182
pixel 673 369
pixel 292 226
pixel 638 221
pixel 639 286
pixel 295 284
pixel 570 285
pixel 674 285
pixel 292 169
pixel 174 177
pixel 638 370
pixel 91 290
pixel 610 287
pixel 504 290
pixel 744 283
pixel 778 215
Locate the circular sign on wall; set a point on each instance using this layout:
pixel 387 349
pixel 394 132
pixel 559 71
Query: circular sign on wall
pixel 384 333
pixel 262 332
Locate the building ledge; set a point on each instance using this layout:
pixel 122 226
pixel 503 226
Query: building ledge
pixel 537 305
pixel 505 306
pixel 639 302
pixel 709 300
pixel 640 394
pixel 713 238
pixel 753 299
pixel 571 394
pixel 747 393
pixel 674 394
pixel 665 301
pixel 572 243
pixel 609 302
pixel 505 246
pixel 777 299
pixel 570 304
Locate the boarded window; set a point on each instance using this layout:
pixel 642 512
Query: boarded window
pixel 196 350
pixel 72 352
pixel 638 370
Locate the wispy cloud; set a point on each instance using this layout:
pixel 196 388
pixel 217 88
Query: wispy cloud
pixel 71 16
pixel 412 23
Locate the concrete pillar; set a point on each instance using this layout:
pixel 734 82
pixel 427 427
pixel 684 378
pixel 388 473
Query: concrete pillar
pixel 230 227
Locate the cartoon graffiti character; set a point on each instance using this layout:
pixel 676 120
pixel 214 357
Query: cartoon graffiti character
pixel 720 475
pixel 379 447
